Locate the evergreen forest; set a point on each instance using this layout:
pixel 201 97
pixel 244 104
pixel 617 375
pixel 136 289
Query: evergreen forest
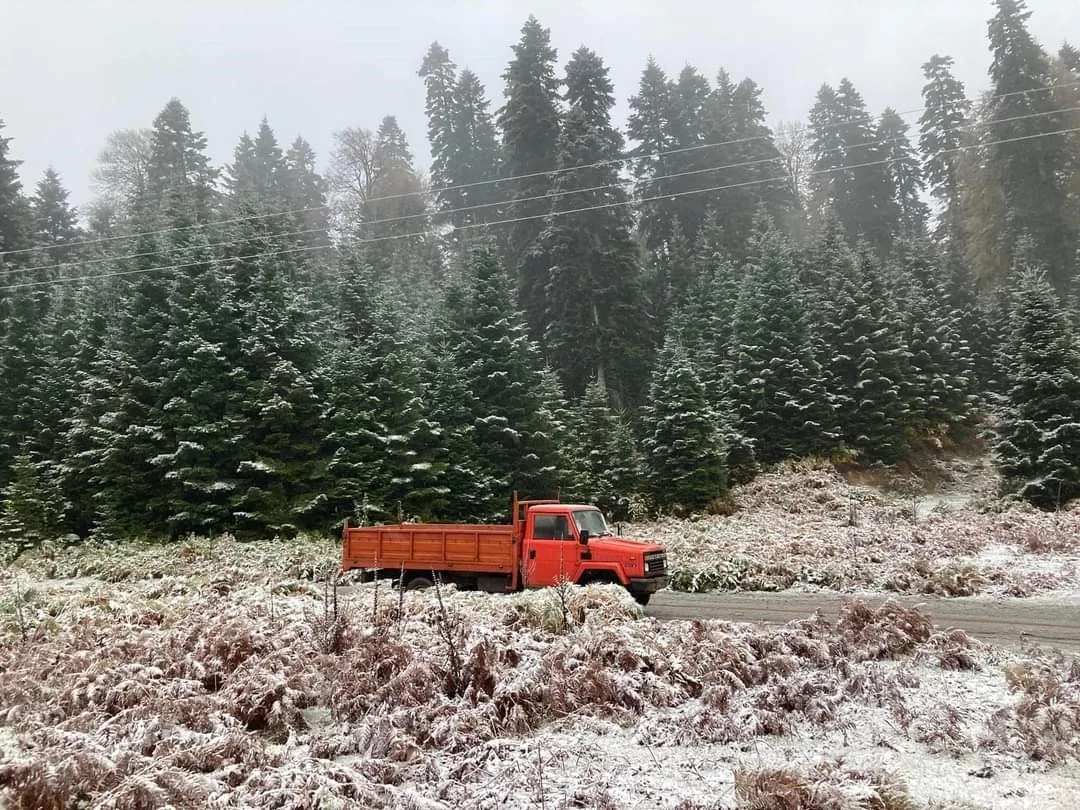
pixel 639 314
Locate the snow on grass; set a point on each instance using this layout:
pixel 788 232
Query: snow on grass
pixel 224 678
pixel 806 527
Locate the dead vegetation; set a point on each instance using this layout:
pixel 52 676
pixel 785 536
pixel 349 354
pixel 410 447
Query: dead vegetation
pixel 256 689
pixel 808 525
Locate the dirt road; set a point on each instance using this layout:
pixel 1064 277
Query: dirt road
pixel 1007 622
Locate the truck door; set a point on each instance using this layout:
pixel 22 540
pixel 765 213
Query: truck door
pixel 552 551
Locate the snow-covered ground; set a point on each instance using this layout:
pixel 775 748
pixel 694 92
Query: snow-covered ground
pixel 805 527
pixel 236 687
pixel 217 674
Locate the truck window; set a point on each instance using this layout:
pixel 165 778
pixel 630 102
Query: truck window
pixel 551 527
pixel 591 520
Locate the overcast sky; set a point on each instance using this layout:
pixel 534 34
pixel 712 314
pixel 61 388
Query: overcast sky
pixel 75 70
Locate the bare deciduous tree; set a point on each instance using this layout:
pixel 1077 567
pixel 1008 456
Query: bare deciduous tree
pixel 793 143
pixel 123 171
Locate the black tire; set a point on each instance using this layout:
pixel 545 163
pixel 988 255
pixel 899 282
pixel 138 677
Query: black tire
pixel 642 598
pixel 418 583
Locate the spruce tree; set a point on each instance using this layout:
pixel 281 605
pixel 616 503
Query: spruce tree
pixel 862 350
pixel 55 221
pixel 133 495
pixel 753 179
pixel 490 350
pixel 596 314
pixel 440 79
pixel 941 135
pixel 1038 438
pixel 395 213
pixel 30 506
pixel 650 125
pixel 851 179
pixel 529 121
pixel 281 477
pixel 92 381
pixel 476 156
pixel 14 210
pixel 1028 152
pixel 905 176
pixel 941 384
pixel 304 192
pixel 202 394
pixel 608 463
pixel 180 180
pixel 685 458
pixel 775 387
pixel 383 449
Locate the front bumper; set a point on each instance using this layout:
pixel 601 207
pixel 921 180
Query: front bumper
pixel 649 584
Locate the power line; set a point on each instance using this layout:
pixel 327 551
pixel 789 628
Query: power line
pixel 597 207
pixel 548 196
pixel 556 171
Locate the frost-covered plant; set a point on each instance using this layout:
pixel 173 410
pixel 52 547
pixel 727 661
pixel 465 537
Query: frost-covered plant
pixel 1044 723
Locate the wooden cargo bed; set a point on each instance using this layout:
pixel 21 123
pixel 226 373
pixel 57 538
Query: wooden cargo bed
pixel 443 547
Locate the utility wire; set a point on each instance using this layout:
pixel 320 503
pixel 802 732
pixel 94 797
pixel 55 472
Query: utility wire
pixel 549 196
pixel 597 207
pixel 633 155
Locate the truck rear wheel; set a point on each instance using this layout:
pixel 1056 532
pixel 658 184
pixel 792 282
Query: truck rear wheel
pixel 418 583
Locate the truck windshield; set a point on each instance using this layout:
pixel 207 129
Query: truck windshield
pixel 591 520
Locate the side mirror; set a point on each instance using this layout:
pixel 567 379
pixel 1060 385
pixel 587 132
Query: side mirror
pixel 584 537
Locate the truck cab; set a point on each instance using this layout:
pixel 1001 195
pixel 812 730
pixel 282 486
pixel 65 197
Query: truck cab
pixel 573 543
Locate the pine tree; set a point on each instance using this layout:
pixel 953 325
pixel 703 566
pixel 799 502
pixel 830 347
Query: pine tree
pixel 597 319
pixel 685 464
pixel 775 386
pixel 529 121
pixel 941 135
pixel 1028 156
pixel 1038 441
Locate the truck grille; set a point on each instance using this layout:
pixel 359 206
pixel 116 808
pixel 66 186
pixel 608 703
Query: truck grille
pixel 655 563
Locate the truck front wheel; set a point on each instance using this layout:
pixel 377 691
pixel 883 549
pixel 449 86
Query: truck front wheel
pixel 642 598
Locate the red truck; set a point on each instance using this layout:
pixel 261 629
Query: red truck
pixel 547 542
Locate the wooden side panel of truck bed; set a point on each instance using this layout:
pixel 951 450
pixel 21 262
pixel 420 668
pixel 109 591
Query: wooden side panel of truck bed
pixel 439 547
